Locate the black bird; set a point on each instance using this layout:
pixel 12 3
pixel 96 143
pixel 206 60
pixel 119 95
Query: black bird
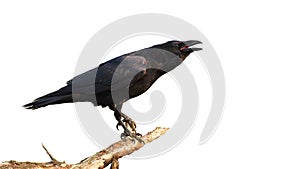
pixel 120 79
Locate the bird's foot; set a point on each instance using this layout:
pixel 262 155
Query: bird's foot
pixel 129 122
pixel 135 136
pixel 129 127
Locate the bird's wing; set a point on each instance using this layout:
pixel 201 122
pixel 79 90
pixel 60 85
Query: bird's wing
pixel 115 74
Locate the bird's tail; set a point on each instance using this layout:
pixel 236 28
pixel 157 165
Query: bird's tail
pixel 63 95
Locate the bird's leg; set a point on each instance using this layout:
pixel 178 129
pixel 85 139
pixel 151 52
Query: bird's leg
pixel 119 119
pixel 126 124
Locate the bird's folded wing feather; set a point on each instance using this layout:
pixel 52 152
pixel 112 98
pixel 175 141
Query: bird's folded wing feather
pixel 115 74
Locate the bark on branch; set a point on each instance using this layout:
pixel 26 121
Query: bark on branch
pixel 101 159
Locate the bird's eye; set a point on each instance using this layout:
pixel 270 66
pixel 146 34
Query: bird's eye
pixel 180 45
pixel 175 44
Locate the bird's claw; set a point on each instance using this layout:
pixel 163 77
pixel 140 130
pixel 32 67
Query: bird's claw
pixel 129 122
pixel 138 134
pixel 129 127
pixel 123 136
pixel 135 136
pixel 118 124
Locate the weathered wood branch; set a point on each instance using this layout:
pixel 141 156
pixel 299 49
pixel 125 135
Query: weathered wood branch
pixel 101 159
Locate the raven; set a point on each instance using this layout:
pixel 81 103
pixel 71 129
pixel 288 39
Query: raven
pixel 114 82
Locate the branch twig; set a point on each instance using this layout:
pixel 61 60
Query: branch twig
pixel 53 160
pixel 100 160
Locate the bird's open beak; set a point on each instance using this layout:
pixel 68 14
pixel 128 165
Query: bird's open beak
pixel 187 44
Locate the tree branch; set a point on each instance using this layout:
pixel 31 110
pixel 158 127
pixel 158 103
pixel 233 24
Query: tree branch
pixel 100 160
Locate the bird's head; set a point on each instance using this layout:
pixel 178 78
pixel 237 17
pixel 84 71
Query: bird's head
pixel 180 48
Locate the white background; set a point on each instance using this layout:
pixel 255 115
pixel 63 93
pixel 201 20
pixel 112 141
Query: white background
pixel 256 41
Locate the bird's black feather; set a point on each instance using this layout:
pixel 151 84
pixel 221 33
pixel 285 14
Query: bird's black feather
pixel 119 79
